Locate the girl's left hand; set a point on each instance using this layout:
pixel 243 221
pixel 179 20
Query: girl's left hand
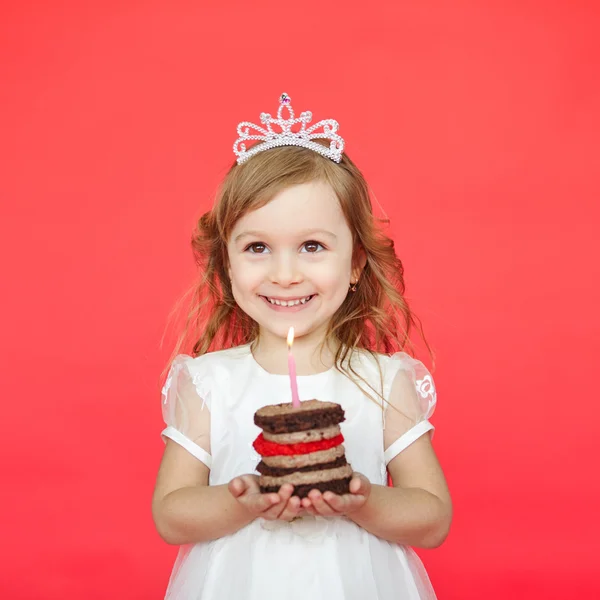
pixel 330 504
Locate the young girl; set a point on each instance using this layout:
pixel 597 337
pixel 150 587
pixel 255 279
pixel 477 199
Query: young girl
pixel 292 242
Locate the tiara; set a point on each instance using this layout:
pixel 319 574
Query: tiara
pixel 325 130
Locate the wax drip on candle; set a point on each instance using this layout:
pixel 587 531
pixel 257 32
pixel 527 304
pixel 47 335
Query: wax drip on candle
pixel 292 369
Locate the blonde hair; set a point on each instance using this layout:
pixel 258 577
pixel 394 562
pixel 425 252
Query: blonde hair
pixel 375 318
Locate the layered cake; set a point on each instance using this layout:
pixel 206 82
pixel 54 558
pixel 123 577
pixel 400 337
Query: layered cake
pixel 302 446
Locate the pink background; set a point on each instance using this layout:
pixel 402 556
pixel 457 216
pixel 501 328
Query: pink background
pixel 477 127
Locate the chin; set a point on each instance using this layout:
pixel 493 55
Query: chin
pixel 281 330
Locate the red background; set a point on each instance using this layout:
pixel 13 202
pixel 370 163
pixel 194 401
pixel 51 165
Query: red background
pixel 477 127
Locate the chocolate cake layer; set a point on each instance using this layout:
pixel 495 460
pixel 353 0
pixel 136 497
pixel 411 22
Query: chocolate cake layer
pixel 337 486
pixel 307 478
pixel 311 414
pixel 273 410
pixel 303 460
pixel 300 437
pixel 265 469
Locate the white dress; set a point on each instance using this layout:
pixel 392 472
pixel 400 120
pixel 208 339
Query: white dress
pixel 208 406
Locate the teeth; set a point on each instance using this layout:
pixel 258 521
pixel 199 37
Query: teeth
pixel 290 302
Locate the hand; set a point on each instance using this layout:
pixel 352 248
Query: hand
pixel 282 505
pixel 330 504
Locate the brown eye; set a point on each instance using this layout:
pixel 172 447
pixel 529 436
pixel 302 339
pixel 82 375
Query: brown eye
pixel 257 248
pixel 313 247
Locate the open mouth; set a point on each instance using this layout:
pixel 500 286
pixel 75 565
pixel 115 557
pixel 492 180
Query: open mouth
pixel 288 303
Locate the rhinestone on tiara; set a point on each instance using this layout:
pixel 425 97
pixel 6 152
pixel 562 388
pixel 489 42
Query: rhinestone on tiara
pixel 284 136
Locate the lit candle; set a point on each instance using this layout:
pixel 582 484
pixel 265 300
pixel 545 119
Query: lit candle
pixel 292 369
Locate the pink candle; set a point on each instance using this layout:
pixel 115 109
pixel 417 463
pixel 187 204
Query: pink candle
pixel 292 370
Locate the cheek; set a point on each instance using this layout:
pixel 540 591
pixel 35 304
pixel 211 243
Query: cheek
pixel 334 281
pixel 244 277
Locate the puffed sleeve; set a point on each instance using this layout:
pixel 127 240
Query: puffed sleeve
pixel 186 408
pixel 411 400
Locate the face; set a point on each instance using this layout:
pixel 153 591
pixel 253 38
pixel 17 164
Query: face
pixel 291 261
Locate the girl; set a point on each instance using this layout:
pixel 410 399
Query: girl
pixel 292 241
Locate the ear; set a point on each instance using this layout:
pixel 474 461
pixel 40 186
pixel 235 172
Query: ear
pixel 360 260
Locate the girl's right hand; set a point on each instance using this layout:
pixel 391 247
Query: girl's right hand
pixel 282 506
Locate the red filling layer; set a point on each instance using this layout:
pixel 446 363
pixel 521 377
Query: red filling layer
pixel 266 448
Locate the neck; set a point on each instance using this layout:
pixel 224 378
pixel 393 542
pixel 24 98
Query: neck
pixel 312 354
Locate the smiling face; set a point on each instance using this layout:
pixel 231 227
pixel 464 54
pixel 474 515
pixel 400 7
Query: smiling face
pixel 290 261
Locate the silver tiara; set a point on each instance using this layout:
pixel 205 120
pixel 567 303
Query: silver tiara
pixel 286 137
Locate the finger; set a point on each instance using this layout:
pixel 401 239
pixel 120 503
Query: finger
pixel 251 483
pixel 321 507
pixel 359 484
pixel 284 494
pixel 291 510
pixel 306 503
pixel 344 504
pixel 339 504
pixel 334 501
pixel 286 491
pixel 260 503
pixel 356 485
pixel 307 507
pixel 236 487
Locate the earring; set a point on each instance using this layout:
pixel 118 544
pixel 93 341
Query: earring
pixel 353 286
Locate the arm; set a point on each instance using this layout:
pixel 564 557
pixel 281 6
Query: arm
pixel 417 511
pixel 187 510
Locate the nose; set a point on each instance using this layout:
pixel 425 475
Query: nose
pixel 285 269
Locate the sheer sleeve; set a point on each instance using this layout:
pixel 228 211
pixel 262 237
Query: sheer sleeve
pixel 186 409
pixel 411 400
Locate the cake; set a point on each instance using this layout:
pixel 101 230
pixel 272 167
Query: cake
pixel 302 446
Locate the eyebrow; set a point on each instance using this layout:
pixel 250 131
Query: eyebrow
pixel 305 233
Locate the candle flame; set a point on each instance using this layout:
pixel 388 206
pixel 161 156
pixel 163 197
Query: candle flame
pixel 290 338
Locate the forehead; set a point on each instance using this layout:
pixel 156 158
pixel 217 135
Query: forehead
pixel 306 206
